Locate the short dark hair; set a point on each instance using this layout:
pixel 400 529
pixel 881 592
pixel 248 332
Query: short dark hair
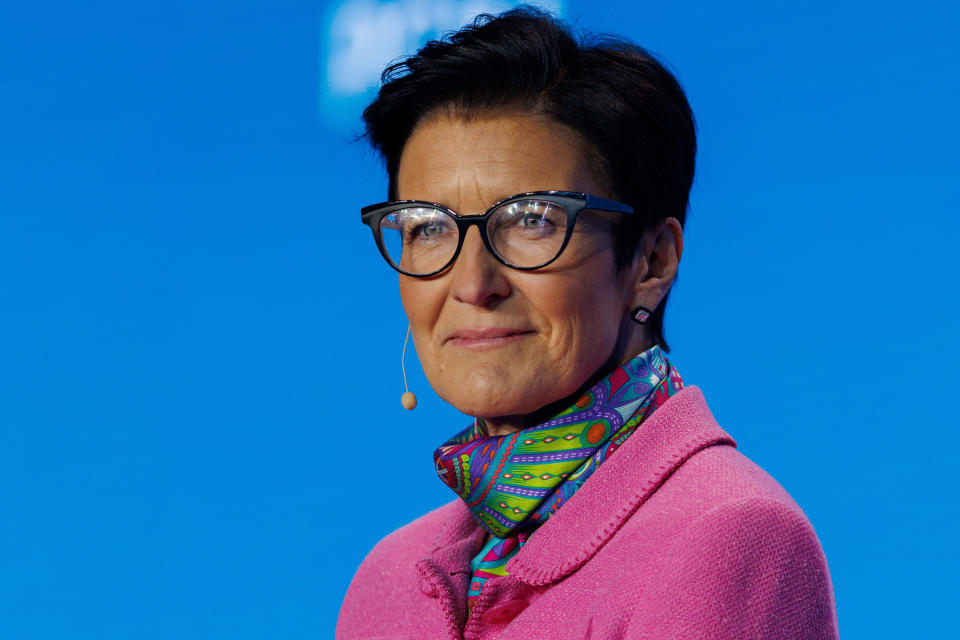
pixel 625 106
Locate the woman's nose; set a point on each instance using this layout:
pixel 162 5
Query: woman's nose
pixel 478 277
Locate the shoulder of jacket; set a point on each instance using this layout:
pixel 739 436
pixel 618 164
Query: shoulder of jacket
pixel 412 541
pixel 723 474
pixel 752 518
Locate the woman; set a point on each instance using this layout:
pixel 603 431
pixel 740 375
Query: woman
pixel 537 193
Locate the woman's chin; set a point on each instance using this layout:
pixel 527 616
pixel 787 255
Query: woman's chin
pixel 486 401
pixel 489 409
pixel 508 389
pixel 504 405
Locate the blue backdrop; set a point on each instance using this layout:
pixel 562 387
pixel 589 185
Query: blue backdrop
pixel 199 345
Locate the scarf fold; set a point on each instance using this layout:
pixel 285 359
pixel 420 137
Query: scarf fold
pixel 512 484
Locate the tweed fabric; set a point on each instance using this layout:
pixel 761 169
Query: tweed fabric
pixel 683 537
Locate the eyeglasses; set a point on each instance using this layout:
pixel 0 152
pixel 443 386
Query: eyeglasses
pixel 526 231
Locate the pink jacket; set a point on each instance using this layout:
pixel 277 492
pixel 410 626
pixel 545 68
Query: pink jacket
pixel 678 535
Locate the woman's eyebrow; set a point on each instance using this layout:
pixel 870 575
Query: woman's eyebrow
pixel 490 202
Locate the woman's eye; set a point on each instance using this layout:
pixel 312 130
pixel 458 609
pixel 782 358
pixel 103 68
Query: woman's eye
pixel 533 219
pixel 426 230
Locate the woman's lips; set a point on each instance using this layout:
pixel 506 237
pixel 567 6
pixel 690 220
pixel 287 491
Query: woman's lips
pixel 486 338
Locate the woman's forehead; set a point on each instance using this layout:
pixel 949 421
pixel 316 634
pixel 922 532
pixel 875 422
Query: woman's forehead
pixel 476 162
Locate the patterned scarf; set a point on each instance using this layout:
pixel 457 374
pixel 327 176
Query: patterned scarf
pixel 512 484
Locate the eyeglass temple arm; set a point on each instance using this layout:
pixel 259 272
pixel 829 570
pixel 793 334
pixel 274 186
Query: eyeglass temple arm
pixel 602 204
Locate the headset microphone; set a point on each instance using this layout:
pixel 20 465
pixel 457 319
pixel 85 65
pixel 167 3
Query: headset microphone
pixel 408 400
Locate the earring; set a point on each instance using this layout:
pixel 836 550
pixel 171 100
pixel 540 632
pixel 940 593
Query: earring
pixel 640 314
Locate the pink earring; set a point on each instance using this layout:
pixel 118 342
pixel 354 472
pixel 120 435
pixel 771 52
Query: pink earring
pixel 641 314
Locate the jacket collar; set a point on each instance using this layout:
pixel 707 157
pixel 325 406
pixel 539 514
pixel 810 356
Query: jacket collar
pixel 577 531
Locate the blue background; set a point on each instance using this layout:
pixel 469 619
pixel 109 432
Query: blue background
pixel 200 433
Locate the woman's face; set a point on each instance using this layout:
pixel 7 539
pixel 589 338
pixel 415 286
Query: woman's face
pixel 493 341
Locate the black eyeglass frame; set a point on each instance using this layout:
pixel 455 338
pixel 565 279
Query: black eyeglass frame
pixel 572 202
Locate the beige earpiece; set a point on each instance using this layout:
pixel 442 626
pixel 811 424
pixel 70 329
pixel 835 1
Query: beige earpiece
pixel 408 399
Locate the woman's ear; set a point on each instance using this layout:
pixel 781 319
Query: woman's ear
pixel 656 263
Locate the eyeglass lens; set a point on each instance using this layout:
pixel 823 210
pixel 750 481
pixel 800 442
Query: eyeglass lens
pixel 525 233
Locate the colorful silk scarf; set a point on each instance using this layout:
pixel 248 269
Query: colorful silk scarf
pixel 512 484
